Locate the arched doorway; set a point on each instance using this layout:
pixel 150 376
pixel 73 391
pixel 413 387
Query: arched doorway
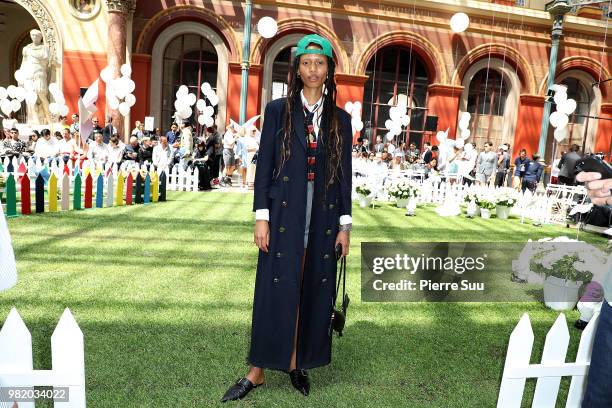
pixel 581 128
pixel 199 35
pixel 280 72
pixel 486 101
pixel 395 73
pixel 189 59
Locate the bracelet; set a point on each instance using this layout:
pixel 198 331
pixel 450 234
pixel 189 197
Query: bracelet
pixel 346 227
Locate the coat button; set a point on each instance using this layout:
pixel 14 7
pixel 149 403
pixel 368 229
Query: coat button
pixel 331 206
pixel 323 280
pixel 281 229
pixel 326 256
pixel 275 280
pixel 284 203
pixel 279 254
pixel 286 178
pixel 327 232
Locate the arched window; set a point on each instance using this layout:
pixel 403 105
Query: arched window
pixel 395 73
pixel 189 60
pixel 487 102
pixel 280 72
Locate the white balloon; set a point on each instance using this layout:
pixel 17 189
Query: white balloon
pixel 124 108
pixel 357 107
pixel 206 88
pixel 59 98
pixel 20 94
pixel 568 107
pixel 267 27
pixel 6 107
pixel 31 98
pixel 107 74
pixel 208 111
pixel 390 136
pixel 213 99
pixel 183 90
pixel 186 113
pixel 395 114
pixel 466 133
pixel 349 107
pixel 63 110
pixel 208 122
pixel 3 93
pixel 459 22
pixel 464 124
pixel 54 88
pixel 388 124
pixel 201 104
pixel 441 136
pixel 468 147
pixel 358 125
pixel 560 97
pixel 129 85
pixel 559 88
pixel 191 99
pixel 19 76
pixel 561 133
pixel 113 102
pixel 554 118
pixel 53 108
pixel 405 120
pixel 562 121
pixel 15 105
pixel 11 91
pixel 459 143
pixel 126 70
pixel 201 120
pixel 130 100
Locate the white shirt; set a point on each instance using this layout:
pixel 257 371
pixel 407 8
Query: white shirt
pixel 264 214
pixel 98 153
pixel 67 146
pixel 161 157
pixel 115 154
pixel 229 139
pixel 46 148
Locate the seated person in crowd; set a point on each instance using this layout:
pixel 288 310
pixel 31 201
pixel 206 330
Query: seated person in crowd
pixel 430 154
pixel 173 135
pixel 98 151
pixel 115 151
pixel 67 146
pixel 131 150
pixel 162 154
pixel 145 153
pixel 13 146
pixel 47 147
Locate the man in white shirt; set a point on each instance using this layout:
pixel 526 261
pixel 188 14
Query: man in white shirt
pixel 98 151
pixel 67 146
pixel 115 151
pixel 46 147
pixel 162 154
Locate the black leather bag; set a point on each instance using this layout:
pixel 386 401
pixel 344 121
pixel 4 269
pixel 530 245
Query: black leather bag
pixel 338 318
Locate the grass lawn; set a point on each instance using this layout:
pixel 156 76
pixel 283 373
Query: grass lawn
pixel 163 295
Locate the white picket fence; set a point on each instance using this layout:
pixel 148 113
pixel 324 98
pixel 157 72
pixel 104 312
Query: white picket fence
pixel 67 353
pixel 183 180
pixel 552 367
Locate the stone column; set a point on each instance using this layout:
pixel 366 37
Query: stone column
pixel 118 14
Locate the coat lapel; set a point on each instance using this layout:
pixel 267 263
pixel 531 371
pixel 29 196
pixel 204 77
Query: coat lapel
pixel 298 124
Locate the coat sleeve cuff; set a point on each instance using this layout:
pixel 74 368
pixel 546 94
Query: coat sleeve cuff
pixel 262 214
pixel 346 219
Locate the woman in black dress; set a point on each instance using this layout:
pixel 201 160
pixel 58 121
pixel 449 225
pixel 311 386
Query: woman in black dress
pixel 302 205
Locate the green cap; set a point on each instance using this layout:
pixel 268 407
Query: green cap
pixel 302 45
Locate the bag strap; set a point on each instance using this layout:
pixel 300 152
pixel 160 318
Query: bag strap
pixel 341 274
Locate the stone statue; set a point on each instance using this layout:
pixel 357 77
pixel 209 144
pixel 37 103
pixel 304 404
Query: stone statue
pixel 34 68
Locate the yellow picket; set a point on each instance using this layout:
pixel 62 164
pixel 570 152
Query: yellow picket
pixel 53 193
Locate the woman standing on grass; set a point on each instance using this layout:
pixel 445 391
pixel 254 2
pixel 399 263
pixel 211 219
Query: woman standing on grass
pixel 302 203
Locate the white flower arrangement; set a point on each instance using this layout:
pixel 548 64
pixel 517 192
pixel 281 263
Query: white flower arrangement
pixel 507 197
pixel 403 189
pixel 554 257
pixel 363 189
pixel 471 196
pixel 485 200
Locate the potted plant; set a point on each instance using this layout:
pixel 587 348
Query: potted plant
pixel 504 201
pixel 365 195
pixel 565 266
pixel 472 204
pixel 402 191
pixel 486 203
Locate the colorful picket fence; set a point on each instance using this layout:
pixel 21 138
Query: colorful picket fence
pixel 551 369
pixel 54 187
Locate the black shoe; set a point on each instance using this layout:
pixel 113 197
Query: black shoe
pixel 580 324
pixel 239 390
pixel 299 380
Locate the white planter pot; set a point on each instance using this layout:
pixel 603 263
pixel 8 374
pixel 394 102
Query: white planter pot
pixel 411 206
pixel 502 212
pixel 560 294
pixel 364 201
pixel 472 209
pixel 485 213
pixel 401 202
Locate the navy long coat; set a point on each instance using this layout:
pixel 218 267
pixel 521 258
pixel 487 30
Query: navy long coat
pixel 277 286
